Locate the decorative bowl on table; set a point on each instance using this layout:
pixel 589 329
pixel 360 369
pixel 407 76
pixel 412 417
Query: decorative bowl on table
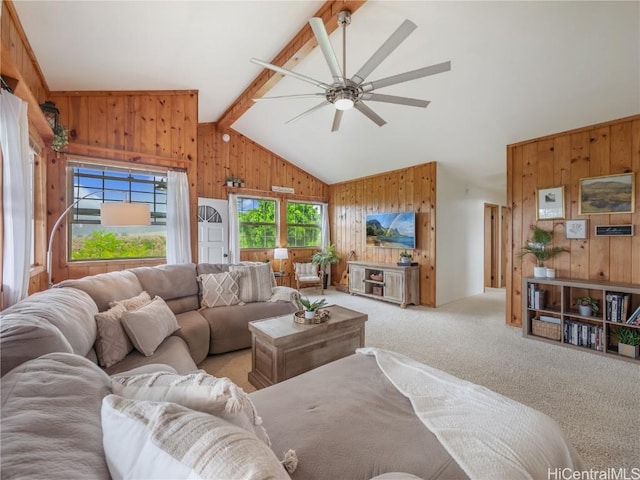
pixel 321 316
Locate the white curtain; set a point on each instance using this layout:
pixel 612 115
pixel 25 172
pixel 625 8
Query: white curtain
pixel 16 189
pixel 178 221
pixel 234 230
pixel 326 237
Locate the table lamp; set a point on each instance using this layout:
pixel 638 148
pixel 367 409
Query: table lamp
pixel 280 254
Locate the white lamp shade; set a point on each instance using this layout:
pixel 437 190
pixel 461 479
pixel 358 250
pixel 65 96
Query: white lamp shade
pixel 280 254
pixel 124 214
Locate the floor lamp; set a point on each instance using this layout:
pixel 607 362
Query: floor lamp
pixel 280 254
pixel 111 214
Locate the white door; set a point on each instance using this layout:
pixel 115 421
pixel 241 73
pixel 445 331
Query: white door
pixel 213 225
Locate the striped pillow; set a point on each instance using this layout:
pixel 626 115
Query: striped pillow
pixel 255 282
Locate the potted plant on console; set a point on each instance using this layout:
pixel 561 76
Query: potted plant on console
pixel 587 306
pixel 628 342
pixel 405 257
pixel 539 246
pixel 310 308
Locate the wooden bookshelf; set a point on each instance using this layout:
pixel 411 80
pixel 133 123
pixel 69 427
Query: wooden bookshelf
pixel 552 316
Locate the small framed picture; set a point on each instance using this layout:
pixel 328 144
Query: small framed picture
pixel 576 228
pixel 550 202
pixel 607 194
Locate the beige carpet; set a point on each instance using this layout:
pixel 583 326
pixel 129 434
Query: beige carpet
pixel 596 400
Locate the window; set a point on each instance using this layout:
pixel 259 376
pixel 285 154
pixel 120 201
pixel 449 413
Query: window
pixel 257 222
pixel 304 224
pixel 91 241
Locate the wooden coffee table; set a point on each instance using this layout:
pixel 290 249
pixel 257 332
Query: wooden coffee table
pixel 282 348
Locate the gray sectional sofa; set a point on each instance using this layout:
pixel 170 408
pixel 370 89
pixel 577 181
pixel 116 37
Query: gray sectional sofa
pixel 62 319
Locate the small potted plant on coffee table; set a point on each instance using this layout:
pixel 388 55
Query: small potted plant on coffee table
pixel 310 308
pixel 587 306
pixel 628 341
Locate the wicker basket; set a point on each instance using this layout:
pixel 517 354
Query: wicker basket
pixel 546 329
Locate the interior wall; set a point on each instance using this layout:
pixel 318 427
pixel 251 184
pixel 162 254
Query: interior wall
pixel 562 160
pixel 408 189
pixel 260 169
pixel 131 128
pixel 460 236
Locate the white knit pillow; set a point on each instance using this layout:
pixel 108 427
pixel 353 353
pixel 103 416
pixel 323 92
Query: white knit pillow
pixel 133 303
pixel 219 289
pixel 255 282
pixel 164 440
pixel 197 391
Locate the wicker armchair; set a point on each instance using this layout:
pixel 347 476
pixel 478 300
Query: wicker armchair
pixel 307 275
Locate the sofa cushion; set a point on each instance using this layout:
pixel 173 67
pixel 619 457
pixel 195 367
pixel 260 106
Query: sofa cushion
pixel 172 351
pixel 23 339
pixel 70 310
pixel 197 391
pixel 255 282
pixel 194 330
pixel 149 325
pixel 229 325
pixel 164 440
pixel 112 342
pixel 51 426
pixel 107 287
pixel 168 281
pixel 218 289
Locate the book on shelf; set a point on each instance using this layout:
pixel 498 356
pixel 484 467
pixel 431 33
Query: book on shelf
pixel 549 319
pixel 634 318
pixel 617 307
pixel 535 297
pixel 584 335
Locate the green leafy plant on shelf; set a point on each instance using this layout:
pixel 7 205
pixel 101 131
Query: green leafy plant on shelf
pixel 628 336
pixel 587 301
pixel 539 246
pixel 405 254
pixel 60 139
pixel 310 306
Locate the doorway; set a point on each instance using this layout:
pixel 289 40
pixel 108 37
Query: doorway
pixel 213 225
pixel 494 246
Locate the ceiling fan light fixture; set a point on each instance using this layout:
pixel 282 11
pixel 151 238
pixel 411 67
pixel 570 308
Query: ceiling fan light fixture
pixel 344 104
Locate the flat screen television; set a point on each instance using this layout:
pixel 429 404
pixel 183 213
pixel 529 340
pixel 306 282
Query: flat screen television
pixel 391 230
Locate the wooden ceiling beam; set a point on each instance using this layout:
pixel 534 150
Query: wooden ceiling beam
pixel 297 49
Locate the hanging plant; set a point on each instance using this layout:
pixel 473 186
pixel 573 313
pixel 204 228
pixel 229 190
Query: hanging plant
pixel 60 139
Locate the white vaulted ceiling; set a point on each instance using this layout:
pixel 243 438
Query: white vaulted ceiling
pixel 519 70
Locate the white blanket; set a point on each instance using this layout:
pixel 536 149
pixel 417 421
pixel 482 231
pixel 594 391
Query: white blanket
pixel 490 436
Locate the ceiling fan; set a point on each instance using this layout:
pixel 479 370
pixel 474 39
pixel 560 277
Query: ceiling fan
pixel 345 93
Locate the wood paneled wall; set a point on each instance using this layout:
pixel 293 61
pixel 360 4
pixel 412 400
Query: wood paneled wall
pixel 563 159
pixel 409 189
pixel 260 169
pixel 131 128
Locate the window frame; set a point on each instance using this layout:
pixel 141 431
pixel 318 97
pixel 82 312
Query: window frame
pixel 276 224
pixel 104 165
pixel 287 224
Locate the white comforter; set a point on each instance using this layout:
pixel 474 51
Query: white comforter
pixel 490 436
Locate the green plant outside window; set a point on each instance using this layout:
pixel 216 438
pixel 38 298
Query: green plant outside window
pixel 304 225
pixel 257 222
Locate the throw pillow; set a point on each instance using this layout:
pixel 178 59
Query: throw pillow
pixel 219 289
pixel 112 343
pixel 133 303
pixel 164 440
pixel 255 282
pixel 306 270
pixel 197 391
pixel 148 326
pixel 285 294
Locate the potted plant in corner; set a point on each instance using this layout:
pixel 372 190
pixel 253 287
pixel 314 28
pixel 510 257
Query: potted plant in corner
pixel 587 306
pixel 324 259
pixel 231 181
pixel 310 308
pixel 628 342
pixel 539 246
pixel 405 257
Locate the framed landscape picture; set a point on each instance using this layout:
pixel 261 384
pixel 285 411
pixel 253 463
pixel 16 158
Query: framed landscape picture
pixel 550 203
pixel 607 194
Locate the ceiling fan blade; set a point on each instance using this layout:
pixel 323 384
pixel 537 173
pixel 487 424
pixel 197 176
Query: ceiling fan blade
pixel 405 77
pixel 337 118
pixel 307 112
pixel 384 51
pixel 303 95
pixel 319 30
pixel 284 71
pixel 373 116
pixel 411 102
